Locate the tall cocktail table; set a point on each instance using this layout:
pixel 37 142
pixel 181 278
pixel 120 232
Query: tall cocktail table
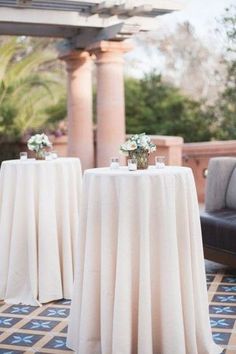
pixel 140 287
pixel 39 206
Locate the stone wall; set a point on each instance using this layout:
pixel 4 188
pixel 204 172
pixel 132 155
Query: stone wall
pixel 193 155
pixel 168 146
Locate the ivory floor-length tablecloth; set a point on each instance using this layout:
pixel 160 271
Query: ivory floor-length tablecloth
pixel 140 286
pixel 39 203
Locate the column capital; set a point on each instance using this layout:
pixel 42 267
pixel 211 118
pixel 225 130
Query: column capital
pixel 75 58
pixel 110 46
pixel 109 51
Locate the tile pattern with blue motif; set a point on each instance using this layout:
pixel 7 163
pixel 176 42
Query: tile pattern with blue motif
pixel 219 322
pixel 221 337
pixel 222 310
pixel 58 343
pixel 44 330
pixel 229 279
pixel 224 298
pixel 210 278
pixel 64 330
pixel 55 312
pixel 229 288
pixel 20 310
pixel 7 321
pixel 22 339
pixel 40 329
pixel 40 325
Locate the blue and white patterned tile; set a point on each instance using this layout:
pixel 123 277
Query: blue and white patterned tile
pixel 20 309
pixel 229 279
pixel 56 312
pixel 40 325
pixel 65 302
pixel 222 310
pixel 219 322
pixel 210 278
pixel 224 298
pixel 64 330
pixel 58 343
pixel 7 322
pixel 22 339
pixel 227 288
pixel 231 271
pixel 221 337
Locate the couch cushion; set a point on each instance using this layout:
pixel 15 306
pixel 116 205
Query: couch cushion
pixel 219 229
pixel 230 198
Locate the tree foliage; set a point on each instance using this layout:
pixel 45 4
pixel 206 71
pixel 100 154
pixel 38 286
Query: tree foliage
pixel 158 108
pixel 225 110
pixel 30 85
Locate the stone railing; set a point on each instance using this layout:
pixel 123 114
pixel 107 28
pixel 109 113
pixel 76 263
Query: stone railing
pixel 194 155
pixel 168 146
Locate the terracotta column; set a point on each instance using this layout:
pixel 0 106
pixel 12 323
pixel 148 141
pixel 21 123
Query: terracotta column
pixel 79 106
pixel 110 99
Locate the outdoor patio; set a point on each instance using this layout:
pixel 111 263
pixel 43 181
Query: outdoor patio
pixel 126 240
pixel 28 329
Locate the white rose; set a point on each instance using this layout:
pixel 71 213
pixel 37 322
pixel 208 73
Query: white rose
pixel 30 147
pixel 38 139
pixel 131 145
pixel 153 148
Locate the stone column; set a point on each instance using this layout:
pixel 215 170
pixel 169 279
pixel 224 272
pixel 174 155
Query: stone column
pixel 110 99
pixel 79 106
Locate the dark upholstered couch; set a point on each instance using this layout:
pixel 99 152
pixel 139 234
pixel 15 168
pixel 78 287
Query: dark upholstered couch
pixel 218 221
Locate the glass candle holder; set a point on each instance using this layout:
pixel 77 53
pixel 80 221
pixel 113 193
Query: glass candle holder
pixel 54 154
pixel 114 163
pixel 48 155
pixel 160 161
pixel 23 155
pixel 132 164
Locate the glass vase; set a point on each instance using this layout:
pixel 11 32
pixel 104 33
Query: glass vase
pixel 40 155
pixel 141 157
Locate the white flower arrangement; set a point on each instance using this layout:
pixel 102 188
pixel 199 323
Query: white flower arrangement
pixel 138 143
pixel 38 142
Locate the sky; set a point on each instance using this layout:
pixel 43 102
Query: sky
pixel 204 15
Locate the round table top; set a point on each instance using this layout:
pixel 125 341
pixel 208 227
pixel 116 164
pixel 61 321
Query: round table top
pixel 37 162
pixel 124 171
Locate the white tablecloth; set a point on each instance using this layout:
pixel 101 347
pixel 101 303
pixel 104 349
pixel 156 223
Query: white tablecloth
pixel 39 203
pixel 140 287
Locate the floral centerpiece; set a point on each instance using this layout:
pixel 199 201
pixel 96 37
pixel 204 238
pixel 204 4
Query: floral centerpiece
pixel 38 143
pixel 138 146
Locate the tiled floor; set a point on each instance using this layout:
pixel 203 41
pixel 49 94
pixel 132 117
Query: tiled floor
pixel 221 284
pixel 26 329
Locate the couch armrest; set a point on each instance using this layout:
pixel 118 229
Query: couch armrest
pixel 219 172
